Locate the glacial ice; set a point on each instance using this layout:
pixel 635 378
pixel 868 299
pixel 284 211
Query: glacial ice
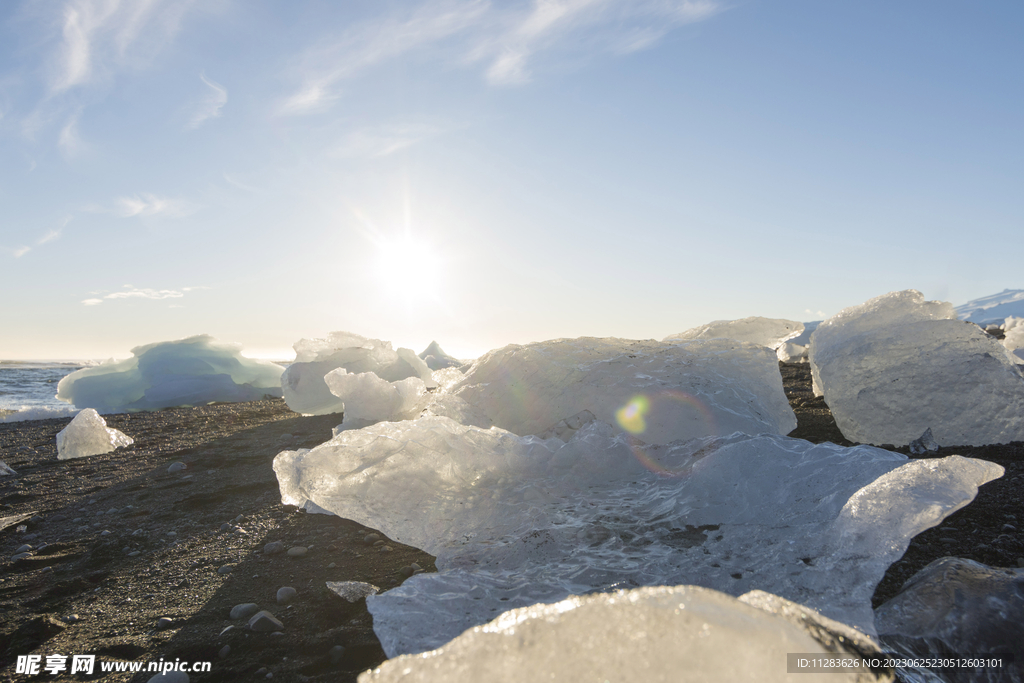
pixel 958 606
pixel 1014 339
pixel 794 349
pixel 896 365
pixel 436 359
pixel 993 309
pixel 5 470
pixel 193 371
pixel 770 332
pixel 657 391
pixel 88 434
pixel 39 413
pixel 515 521
pixel 644 635
pixel 365 396
pixel 305 390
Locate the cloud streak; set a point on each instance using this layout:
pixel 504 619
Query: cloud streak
pixel 211 106
pixel 145 204
pixel 506 40
pixel 130 292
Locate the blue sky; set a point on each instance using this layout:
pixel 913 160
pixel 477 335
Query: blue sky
pixel 483 173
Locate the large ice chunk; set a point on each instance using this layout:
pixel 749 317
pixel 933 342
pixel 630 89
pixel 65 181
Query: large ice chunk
pixel 1014 339
pixel 897 365
pixel 993 309
pixel 187 372
pixel 956 606
pixel 515 520
pixel 770 332
pixel 677 634
pixel 436 359
pixel 365 396
pixel 303 383
pixel 88 434
pixel 657 391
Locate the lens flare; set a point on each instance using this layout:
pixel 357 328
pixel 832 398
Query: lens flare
pixel 635 416
pixel 631 416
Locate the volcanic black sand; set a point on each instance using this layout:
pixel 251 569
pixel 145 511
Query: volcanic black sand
pixel 166 544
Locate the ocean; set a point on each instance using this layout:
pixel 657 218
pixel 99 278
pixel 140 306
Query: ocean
pixel 31 387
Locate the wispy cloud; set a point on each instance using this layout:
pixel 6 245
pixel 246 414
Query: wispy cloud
pixel 49 236
pixel 507 40
pixel 211 105
pixel 146 204
pixel 21 251
pixel 130 292
pixel 379 141
pixel 68 140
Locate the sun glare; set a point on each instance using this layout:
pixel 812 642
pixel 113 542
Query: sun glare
pixel 409 269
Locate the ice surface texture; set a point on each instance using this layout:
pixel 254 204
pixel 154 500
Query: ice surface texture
pixel 303 383
pixel 957 606
pixel 896 365
pixel 368 397
pixel 88 434
pixel 993 309
pixel 658 391
pixel 645 635
pixel 518 520
pixel 770 332
pixel 187 372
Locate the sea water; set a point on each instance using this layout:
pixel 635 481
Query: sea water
pixel 32 385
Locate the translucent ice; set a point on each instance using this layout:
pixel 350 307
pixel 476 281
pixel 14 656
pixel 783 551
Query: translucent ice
pixel 187 372
pixel 365 396
pixel 518 520
pixel 656 391
pixel 644 635
pixel 88 434
pixel 303 383
pixel 957 606
pixel 897 365
pixel 1014 339
pixel 770 332
pixel 5 470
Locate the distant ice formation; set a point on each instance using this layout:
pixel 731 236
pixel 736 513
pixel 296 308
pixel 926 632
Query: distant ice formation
pixel 993 309
pixel 656 391
pixel 515 520
pixel 88 434
pixel 436 359
pixel 956 606
pixel 303 383
pixel 897 365
pixel 187 372
pixel 38 413
pixel 661 634
pixel 1014 339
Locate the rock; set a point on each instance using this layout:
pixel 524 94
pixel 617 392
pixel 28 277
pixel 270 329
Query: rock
pixel 192 371
pixel 370 539
pixel 273 548
pixel 225 527
pixel 164 622
pixel 226 569
pixel 264 622
pixel 407 571
pixel 87 435
pixel 72 618
pixel 285 595
pixel 956 605
pixel 297 551
pixel 352 590
pixel 897 365
pixel 224 652
pixel 26 547
pixel 244 610
pixel 176 467
pixel 20 556
pixel 688 634
pixel 336 654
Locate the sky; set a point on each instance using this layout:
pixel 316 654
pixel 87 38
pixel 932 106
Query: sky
pixel 485 173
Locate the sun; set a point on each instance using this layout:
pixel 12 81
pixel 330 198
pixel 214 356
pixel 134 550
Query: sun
pixel 409 268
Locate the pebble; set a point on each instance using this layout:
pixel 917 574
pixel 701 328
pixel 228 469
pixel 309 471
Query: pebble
pixel 164 622
pixel 385 549
pixel 20 556
pixel 264 622
pixel 105 532
pixel 378 542
pixel 138 532
pixel 260 671
pixel 176 467
pixel 297 551
pixel 406 571
pixel 170 677
pixel 273 548
pixel 226 569
pixel 35 519
pixel 224 651
pixel 332 565
pixel 370 539
pixel 286 595
pixel 112 511
pixel 239 518
pixel 172 533
pixel 225 527
pixel 1009 527
pixel 46 569
pixel 244 610
pixel 72 618
pixel 135 553
pixel 23 549
pixel 336 654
